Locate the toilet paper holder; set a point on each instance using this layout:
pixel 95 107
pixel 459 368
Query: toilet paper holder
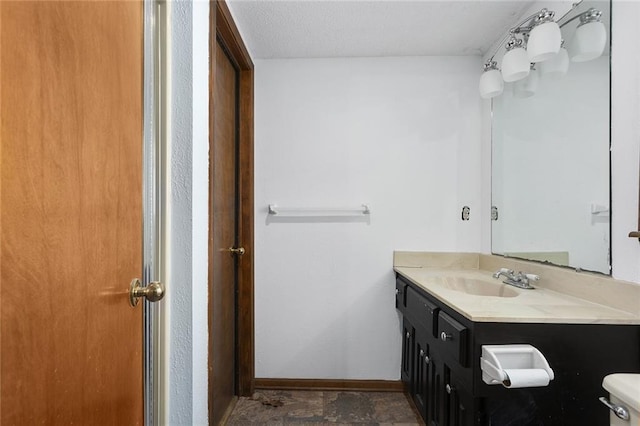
pixel 496 359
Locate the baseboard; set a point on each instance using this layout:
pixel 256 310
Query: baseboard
pixel 228 411
pixel 331 385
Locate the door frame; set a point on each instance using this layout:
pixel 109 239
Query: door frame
pixel 153 180
pixel 223 29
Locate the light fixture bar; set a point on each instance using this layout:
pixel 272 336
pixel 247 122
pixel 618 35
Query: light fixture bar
pixel 591 15
pixel 537 39
pixel 521 28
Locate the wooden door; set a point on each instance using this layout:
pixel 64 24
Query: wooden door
pixel 70 212
pixel 224 208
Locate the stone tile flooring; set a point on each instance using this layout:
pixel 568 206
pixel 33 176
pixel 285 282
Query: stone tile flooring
pixel 316 408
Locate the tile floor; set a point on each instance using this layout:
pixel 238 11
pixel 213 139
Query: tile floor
pixel 316 408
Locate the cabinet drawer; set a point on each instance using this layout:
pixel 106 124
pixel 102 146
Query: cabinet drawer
pixel 401 298
pixel 422 310
pixel 454 338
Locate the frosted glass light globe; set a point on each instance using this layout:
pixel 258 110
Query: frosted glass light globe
pixel 557 66
pixel 526 87
pixel 491 84
pixel 515 65
pixel 544 42
pixel 588 42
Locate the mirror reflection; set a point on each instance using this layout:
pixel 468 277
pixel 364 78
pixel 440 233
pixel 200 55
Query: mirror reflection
pixel 550 152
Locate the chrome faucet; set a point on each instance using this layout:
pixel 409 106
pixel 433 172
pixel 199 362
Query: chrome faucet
pixel 504 271
pixel 520 280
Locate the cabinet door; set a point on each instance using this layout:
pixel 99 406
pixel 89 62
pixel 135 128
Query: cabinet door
pixel 421 378
pixel 408 336
pixel 401 289
pixel 435 405
pixel 458 401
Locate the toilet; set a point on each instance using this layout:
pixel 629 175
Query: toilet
pixel 624 391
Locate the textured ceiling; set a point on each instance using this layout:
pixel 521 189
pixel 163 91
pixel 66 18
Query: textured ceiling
pixel 321 28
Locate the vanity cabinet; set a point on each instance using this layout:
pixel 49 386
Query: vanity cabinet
pixel 435 359
pixel 441 353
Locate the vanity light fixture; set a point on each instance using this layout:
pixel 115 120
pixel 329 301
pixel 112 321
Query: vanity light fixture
pixel 491 83
pixel 545 37
pixel 515 63
pixel 538 40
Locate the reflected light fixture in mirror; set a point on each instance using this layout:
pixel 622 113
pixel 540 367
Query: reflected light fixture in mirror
pixel 542 43
pixel 590 37
pixel 527 87
pixel 557 66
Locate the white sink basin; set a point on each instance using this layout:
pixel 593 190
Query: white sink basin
pixel 477 287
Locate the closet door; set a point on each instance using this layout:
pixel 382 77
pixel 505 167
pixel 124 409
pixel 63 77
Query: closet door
pixel 70 212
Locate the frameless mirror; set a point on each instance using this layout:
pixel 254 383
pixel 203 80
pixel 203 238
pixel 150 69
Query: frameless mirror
pixel 550 158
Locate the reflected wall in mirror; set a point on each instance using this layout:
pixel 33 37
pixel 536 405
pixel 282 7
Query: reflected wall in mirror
pixel 550 162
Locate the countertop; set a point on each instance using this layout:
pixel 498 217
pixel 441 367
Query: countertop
pixel 540 305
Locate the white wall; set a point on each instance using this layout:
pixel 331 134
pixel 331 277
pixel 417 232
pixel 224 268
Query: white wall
pixel 402 134
pixel 625 137
pixel 185 336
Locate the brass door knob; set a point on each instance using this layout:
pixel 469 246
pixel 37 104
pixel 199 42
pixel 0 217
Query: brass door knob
pixel 153 292
pixel 239 250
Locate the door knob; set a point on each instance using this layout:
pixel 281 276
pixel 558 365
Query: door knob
pixel 239 250
pixel 153 292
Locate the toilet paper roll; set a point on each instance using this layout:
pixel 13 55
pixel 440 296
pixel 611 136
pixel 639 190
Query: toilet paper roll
pixel 526 378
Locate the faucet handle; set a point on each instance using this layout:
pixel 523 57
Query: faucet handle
pixel 506 270
pixel 532 277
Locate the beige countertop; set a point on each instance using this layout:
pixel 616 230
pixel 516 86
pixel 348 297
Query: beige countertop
pixel 444 281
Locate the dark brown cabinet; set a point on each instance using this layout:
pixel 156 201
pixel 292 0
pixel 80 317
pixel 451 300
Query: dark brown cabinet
pixel 454 337
pixel 401 288
pixel 441 352
pixel 435 349
pixel 408 337
pixel 421 377
pixel 459 402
